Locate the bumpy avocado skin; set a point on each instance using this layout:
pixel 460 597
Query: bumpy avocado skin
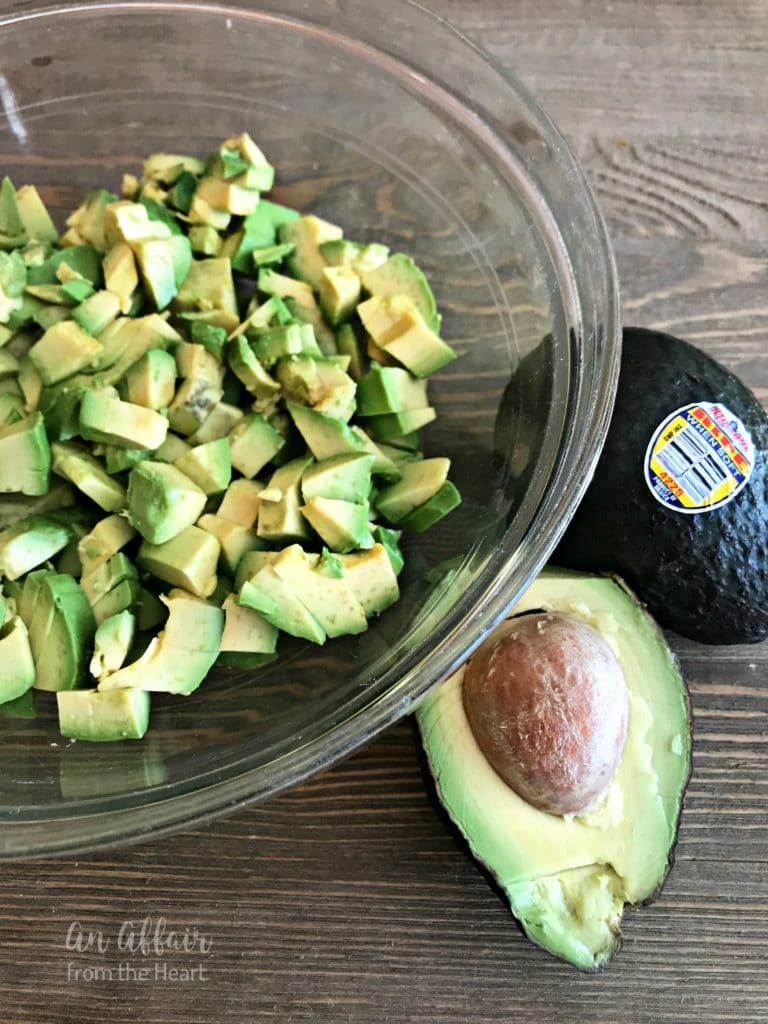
pixel 706 575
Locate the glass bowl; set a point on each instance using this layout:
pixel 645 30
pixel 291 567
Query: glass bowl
pixel 404 132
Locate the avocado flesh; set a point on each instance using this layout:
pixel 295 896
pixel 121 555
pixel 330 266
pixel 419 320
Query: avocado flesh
pixel 567 879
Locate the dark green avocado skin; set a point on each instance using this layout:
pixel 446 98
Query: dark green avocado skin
pixel 706 575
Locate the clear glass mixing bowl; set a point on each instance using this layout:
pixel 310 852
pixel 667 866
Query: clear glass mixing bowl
pixel 384 119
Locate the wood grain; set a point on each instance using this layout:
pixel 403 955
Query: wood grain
pixel 349 900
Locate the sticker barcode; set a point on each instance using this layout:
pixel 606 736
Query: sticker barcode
pixel 693 463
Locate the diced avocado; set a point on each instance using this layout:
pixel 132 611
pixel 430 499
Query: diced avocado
pixel 269 595
pixel 393 425
pixel 127 339
pixel 240 148
pixel 121 275
pixel 29 543
pixel 348 344
pixel 117 459
pixel 307 233
pixel 217 424
pixel 399 275
pixel 35 220
pixel 85 259
pixel 88 220
pixel 17 669
pixel 342 477
pixel 324 435
pixel 432 510
pixel 397 327
pixel 13 279
pixel 12 231
pixel 150 610
pixel 88 475
pixel 172 448
pixel 162 501
pixel 226 195
pixel 319 383
pixel 251 563
pixel 253 442
pixel 60 407
pixel 201 212
pixel 96 717
pixel 270 255
pixel 112 642
pixel 342 525
pixel 211 336
pixel 151 381
pixel 179 658
pixel 248 368
pixel 208 465
pixel 389 389
pixel 245 630
pixel 371 578
pixel 97 312
pixel 235 540
pixel 260 232
pixel 328 599
pixel 360 258
pixel 64 349
pixel 155 257
pixel 158 211
pixel 61 631
pixel 208 286
pixel 187 560
pixel 126 221
pixel 106 538
pixel 338 290
pixel 418 483
pixel 389 540
pixel 283 287
pixel 111 588
pixel 77 291
pixel 241 502
pixel 9 364
pixel 280 518
pixel 167 168
pixel 194 401
pixel 11 410
pixel 204 239
pixel 196 361
pixel 288 340
pixel 104 417
pixel 25 456
pixel 324 334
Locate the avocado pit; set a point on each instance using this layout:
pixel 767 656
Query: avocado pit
pixel 548 706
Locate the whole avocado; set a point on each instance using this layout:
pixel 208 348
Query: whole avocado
pixel 704 575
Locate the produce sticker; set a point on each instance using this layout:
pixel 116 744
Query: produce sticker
pixel 699 458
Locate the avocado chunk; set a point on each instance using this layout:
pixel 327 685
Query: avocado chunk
pixel 25 456
pixel 195 400
pixel 17 668
pixel 61 628
pixel 121 276
pixel 274 343
pixel 371 578
pixel 338 290
pixel 320 383
pixel 97 312
pixel 208 465
pixel 343 477
pixel 111 588
pixel 248 369
pixel 241 503
pixel 307 233
pixel 106 538
pixel 29 543
pixel 328 599
pixel 568 877
pixel 151 381
pixel 245 631
pixel 418 483
pixel 361 258
pixel 686 517
pixel 390 541
pixel 34 216
pixel 88 475
pixel 342 525
pixel 235 540
pixel 253 442
pixel 280 518
pixel 103 717
pixel 325 435
pixel 388 389
pixel 400 331
pixel 219 422
pixel 399 275
pixel 104 417
pixel 63 350
pixel 432 510
pixel 196 361
pixel 188 560
pixel 162 501
pixel 178 659
pixel 268 594
pixel 393 425
pixel 112 643
pixel 208 286
pixel 172 448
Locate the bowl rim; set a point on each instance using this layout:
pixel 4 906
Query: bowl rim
pixel 178 805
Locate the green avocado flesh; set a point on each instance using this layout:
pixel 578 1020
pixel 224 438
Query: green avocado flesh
pixel 192 432
pixel 568 878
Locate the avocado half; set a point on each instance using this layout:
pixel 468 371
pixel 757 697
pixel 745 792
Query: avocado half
pixel 569 878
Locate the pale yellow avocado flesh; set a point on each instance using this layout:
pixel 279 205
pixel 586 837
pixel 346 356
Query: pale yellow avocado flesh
pixel 568 878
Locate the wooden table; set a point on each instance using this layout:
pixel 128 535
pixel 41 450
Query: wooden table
pixel 348 900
